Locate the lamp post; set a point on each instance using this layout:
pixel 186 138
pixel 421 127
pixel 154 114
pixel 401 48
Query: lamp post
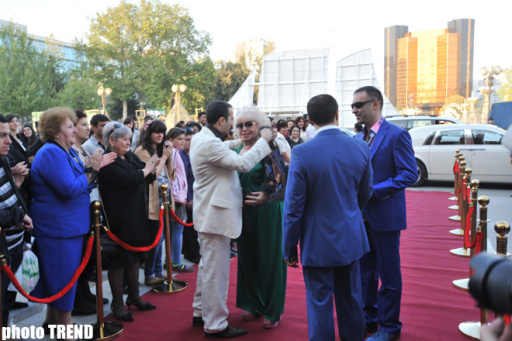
pixel 488 72
pixel 104 92
pixel 178 89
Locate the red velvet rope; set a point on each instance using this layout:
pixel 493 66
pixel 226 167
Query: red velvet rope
pixel 478 240
pixel 175 217
pixel 468 227
pixel 61 293
pixel 132 248
pixel 456 169
pixel 507 318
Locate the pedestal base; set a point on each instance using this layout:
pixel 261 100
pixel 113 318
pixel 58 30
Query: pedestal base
pixel 169 288
pixel 454 207
pixel 457 232
pixel 109 331
pixel 452 198
pixel 455 218
pixel 461 252
pixel 461 284
pixel 471 329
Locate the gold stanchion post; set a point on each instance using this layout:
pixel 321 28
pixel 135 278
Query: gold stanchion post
pixel 102 330
pixel 472 329
pixel 466 200
pixel 169 286
pixel 462 167
pixel 463 284
pixel 455 181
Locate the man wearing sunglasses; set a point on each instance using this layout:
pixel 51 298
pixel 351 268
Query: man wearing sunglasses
pixel 218 213
pixel 394 169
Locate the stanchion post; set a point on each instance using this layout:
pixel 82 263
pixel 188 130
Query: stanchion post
pixel 169 286
pixel 462 166
pixel 102 330
pixel 472 329
pixel 458 154
pixel 463 284
pixel 502 228
pixel 464 206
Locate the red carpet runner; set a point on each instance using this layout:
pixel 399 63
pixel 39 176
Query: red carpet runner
pixel 431 307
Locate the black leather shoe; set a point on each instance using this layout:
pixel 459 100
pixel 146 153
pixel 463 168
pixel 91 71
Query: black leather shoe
pixel 372 327
pixel 84 308
pixel 228 333
pixel 19 305
pixel 197 321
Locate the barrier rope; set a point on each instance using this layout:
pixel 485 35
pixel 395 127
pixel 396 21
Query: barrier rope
pixel 133 248
pixel 456 169
pixel 175 217
pixel 61 293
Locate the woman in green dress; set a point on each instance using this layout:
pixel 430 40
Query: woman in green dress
pixel 261 281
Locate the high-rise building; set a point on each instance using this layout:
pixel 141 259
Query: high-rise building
pixel 423 69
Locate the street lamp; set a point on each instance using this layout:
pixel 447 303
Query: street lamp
pixel 104 93
pixel 178 89
pixel 488 72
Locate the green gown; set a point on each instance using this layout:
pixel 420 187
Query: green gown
pixel 261 281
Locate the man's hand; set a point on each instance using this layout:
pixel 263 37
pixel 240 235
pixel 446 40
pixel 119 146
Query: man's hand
pixel 292 262
pixel 267 133
pixel 190 204
pixel 27 222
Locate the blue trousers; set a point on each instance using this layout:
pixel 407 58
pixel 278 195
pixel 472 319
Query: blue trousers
pixel 344 283
pixel 382 305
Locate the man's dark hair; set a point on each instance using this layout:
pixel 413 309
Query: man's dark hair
pixel 99 118
pixel 3 119
pixel 372 92
pixel 216 110
pixel 201 113
pixel 193 124
pixel 358 127
pixel 322 109
pixel 281 124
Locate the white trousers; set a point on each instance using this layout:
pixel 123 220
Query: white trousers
pixel 213 282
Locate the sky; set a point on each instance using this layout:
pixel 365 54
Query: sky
pixel 343 26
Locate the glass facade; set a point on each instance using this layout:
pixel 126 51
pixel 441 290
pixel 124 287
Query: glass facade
pixel 423 69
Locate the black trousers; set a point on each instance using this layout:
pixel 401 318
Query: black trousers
pixel 190 247
pixel 9 297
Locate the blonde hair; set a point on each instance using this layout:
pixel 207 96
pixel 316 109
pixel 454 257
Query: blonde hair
pixel 252 114
pixel 51 121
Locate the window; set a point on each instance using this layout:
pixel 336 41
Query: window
pixel 450 137
pixel 486 137
pixel 420 123
pixel 400 123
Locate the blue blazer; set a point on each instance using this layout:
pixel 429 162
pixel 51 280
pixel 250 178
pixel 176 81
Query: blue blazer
pixel 395 169
pixel 60 207
pixel 329 180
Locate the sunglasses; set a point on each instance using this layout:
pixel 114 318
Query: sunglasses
pixel 116 126
pixel 359 105
pixel 247 124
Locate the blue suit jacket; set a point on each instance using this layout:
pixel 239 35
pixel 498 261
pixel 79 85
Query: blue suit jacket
pixel 60 207
pixel 394 169
pixel 329 180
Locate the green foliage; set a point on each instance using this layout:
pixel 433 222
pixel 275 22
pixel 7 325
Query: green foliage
pixel 145 48
pixel 505 90
pixel 229 77
pixel 29 77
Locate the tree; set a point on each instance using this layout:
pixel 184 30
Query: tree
pixel 505 90
pixel 229 77
pixel 29 77
pixel 145 48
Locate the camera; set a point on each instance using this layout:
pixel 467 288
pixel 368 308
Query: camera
pixel 491 283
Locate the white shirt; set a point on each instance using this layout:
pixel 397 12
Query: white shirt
pixel 310 132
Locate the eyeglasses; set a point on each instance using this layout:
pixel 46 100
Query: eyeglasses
pixel 247 124
pixel 116 125
pixel 359 105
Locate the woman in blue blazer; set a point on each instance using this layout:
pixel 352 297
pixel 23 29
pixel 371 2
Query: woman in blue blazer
pixel 61 184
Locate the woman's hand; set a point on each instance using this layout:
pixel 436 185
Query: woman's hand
pixel 94 161
pixel 256 198
pixel 151 165
pixel 167 152
pixel 107 159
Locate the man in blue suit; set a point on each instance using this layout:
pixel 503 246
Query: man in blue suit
pixel 329 180
pixel 394 168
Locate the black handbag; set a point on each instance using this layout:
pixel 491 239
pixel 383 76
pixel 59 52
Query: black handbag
pixel 108 246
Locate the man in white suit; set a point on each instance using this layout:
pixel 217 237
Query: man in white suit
pixel 218 213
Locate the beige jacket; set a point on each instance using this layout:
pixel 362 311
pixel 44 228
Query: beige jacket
pixel 154 190
pixel 217 190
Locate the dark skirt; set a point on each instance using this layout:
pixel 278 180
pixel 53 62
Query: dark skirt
pixel 58 260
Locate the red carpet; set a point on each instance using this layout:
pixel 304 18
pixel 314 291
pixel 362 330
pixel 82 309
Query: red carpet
pixel 431 307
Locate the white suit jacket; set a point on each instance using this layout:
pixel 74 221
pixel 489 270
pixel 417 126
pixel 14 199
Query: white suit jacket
pixel 217 191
